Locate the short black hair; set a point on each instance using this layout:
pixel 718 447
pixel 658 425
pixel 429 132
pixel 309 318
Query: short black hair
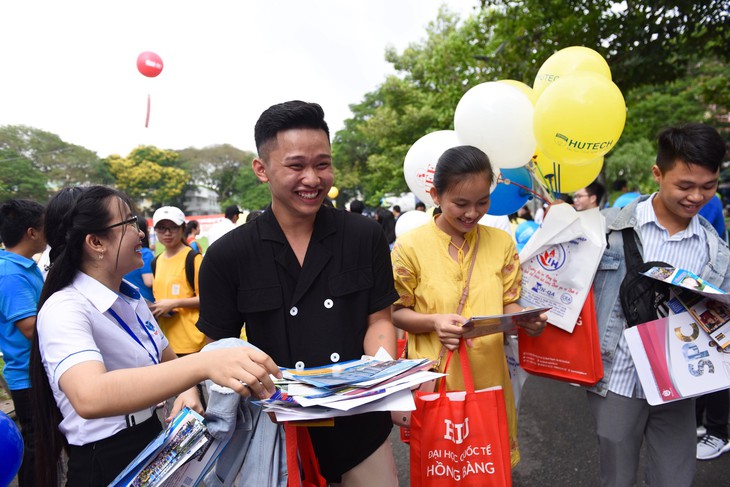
pixel 232 211
pixel 619 184
pixel 691 143
pixel 293 114
pixel 421 204
pixel 16 217
pixel 357 206
pixel 596 189
pixel 396 208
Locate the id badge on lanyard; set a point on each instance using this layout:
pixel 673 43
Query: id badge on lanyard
pixel 156 358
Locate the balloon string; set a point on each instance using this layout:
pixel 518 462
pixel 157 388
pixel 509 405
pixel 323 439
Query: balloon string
pixel 543 179
pixel 501 179
pixel 147 118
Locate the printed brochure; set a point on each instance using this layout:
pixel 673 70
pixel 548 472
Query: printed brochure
pixel 709 305
pixel 180 455
pixel 675 359
pixel 486 325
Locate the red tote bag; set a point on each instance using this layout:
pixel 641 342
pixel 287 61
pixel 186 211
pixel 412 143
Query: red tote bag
pixel 301 462
pixel 568 357
pixel 460 438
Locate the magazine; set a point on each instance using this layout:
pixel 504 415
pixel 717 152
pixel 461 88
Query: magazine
pixel 486 325
pixel 708 305
pixel 184 440
pixel 688 280
pixel 675 359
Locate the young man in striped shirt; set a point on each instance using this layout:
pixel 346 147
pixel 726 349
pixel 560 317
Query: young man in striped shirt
pixel 667 228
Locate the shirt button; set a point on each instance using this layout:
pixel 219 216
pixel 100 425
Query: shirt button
pixel 328 303
pixel 293 311
pixel 299 365
pixel 335 357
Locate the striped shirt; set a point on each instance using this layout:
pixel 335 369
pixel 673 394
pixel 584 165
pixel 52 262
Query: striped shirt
pixel 687 249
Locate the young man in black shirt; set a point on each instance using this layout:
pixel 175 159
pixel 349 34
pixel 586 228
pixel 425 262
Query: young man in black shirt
pixel 312 284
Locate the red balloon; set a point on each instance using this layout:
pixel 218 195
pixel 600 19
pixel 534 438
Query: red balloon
pixel 149 64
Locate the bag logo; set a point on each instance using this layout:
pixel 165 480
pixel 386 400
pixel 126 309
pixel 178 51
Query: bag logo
pixel 553 258
pixel 456 432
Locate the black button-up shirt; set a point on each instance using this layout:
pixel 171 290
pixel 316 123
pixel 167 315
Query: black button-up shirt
pixel 310 315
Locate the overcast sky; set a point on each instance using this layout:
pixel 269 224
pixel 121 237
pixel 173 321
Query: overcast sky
pixel 69 67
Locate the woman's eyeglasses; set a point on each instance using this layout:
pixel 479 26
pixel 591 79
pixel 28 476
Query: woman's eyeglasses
pixel 131 221
pixel 163 229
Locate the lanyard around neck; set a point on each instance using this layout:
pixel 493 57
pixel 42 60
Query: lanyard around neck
pixel 134 337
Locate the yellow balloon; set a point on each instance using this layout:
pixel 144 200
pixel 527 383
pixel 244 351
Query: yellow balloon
pixel 579 118
pixel 333 192
pixel 529 92
pixel 561 178
pixel 567 61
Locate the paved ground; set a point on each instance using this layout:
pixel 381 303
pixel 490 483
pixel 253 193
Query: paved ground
pixel 557 442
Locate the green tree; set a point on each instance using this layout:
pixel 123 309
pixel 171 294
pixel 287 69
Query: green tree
pixel 247 191
pixel 20 179
pixel 632 161
pixel 368 153
pixel 61 163
pixel 644 42
pixel 218 167
pixel 147 173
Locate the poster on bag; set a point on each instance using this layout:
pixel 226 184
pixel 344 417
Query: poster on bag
pixel 560 261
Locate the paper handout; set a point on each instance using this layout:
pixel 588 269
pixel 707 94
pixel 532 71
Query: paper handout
pixel 486 325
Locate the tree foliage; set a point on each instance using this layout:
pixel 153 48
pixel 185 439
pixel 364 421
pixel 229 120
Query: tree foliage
pixel 149 173
pixel 20 179
pixel 61 163
pixel 644 42
pixel 227 170
pixel 633 161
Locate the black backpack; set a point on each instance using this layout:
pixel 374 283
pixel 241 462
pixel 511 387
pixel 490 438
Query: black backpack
pixel 189 267
pixel 642 298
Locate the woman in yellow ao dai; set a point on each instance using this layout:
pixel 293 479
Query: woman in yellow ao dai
pixel 431 265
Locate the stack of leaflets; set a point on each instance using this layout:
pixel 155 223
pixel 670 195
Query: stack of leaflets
pixel 708 305
pixel 180 455
pixel 358 386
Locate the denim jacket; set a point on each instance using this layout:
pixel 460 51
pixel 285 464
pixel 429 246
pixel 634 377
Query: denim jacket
pixel 612 270
pixel 256 451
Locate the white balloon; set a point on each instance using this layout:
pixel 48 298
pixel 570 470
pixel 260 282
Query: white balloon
pixel 420 162
pixel 497 118
pixel 410 220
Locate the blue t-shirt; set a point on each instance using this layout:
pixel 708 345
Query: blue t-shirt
pixel 20 288
pixel 712 211
pixel 625 199
pixel 135 277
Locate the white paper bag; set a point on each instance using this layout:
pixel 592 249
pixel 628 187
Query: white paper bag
pixel 560 261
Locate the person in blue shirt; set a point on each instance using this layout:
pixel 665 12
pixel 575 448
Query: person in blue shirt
pixel 627 196
pixel 142 277
pixel 21 230
pixel 712 211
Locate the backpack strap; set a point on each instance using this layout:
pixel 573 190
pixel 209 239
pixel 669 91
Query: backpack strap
pixel 190 268
pixel 631 250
